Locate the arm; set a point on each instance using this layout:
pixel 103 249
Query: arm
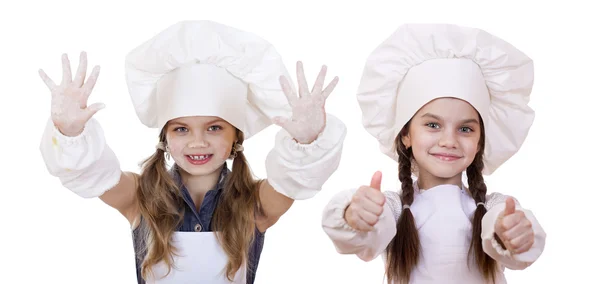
pixel 496 204
pixel 73 145
pixel 367 245
pixel 298 171
pixel 88 167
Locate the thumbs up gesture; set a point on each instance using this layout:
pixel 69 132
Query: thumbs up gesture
pixel 514 229
pixel 366 206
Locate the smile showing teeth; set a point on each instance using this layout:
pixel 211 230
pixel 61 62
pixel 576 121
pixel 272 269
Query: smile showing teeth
pixel 199 158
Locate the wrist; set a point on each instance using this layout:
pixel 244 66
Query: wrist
pixel 68 132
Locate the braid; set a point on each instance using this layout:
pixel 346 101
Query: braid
pixel 478 190
pixel 403 250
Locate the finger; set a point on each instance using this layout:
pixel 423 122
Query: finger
pixel 510 206
pixel 91 81
pixel 521 240
pixel 525 247
pixel 522 227
pixel 92 109
pixel 81 70
pixel 66 65
pixel 49 83
pixel 368 217
pixel 376 180
pixel 290 94
pixel 302 84
pixel 329 89
pixel 318 87
pixel 281 121
pixel 513 220
pixel 372 206
pixel 361 225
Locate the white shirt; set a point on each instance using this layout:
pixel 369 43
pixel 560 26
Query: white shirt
pixel 442 216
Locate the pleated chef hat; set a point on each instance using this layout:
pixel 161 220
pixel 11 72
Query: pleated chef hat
pixel 421 62
pixel 203 68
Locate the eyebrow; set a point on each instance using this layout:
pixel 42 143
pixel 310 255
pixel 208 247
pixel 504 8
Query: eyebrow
pixel 469 120
pixel 179 123
pixel 215 121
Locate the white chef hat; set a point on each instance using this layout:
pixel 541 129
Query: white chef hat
pixel 421 62
pixel 205 68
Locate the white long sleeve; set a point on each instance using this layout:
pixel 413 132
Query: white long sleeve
pixel 299 171
pixel 84 163
pixel 496 204
pixel 366 245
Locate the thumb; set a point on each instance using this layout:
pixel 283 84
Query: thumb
pixel 93 109
pixel 376 181
pixel 281 121
pixel 510 206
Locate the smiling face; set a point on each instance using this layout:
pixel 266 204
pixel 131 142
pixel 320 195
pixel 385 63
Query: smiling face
pixel 444 136
pixel 200 145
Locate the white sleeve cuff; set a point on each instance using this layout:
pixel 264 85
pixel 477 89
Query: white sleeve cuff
pixel 298 171
pixel 84 163
pixel 504 257
pixel 366 245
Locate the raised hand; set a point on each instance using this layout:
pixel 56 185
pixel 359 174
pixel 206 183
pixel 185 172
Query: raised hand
pixel 69 109
pixel 308 109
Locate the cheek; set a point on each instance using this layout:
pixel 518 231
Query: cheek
pixel 222 147
pixel 422 141
pixel 470 147
pixel 175 145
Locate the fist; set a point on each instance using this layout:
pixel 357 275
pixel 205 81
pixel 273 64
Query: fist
pixel 366 206
pixel 514 229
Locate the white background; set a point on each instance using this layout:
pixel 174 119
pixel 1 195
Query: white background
pixel 50 235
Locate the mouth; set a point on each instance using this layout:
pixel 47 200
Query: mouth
pixel 198 159
pixel 446 157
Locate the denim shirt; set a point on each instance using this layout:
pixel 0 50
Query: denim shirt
pixel 200 221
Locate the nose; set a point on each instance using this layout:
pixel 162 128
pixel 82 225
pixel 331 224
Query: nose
pixel 448 139
pixel 198 142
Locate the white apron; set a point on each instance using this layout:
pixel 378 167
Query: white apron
pixel 200 259
pixel 442 216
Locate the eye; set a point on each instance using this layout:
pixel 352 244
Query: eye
pixel 433 125
pixel 215 128
pixel 180 129
pixel 465 129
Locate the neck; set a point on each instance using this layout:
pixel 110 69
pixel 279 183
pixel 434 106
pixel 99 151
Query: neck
pixel 198 185
pixel 427 180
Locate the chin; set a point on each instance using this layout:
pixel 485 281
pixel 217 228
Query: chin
pixel 446 175
pixel 445 172
pixel 200 170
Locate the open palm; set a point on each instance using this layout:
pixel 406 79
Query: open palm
pixel 69 107
pixel 308 108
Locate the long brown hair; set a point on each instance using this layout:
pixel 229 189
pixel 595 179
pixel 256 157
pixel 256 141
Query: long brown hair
pixel 162 206
pixel 234 218
pixel 403 251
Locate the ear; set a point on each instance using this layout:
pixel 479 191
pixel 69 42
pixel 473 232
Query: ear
pixel 406 141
